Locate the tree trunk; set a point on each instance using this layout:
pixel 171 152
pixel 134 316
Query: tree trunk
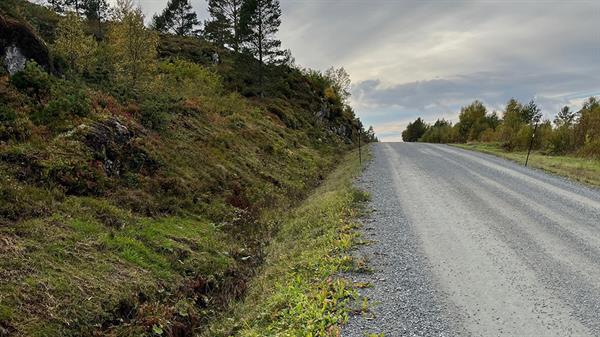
pixel 236 26
pixel 260 51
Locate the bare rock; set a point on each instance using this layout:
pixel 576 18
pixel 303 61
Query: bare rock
pixel 19 43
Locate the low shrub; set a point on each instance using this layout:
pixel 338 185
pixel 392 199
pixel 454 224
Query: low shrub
pixel 32 80
pixel 154 114
pixel 562 141
pixel 20 202
pixel 3 71
pixel 489 135
pixel 523 137
pixel 13 125
pixel 186 79
pixel 67 101
pixel 591 149
pixel 77 177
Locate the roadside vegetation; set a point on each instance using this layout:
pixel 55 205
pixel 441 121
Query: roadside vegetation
pixel 582 169
pixel 569 145
pixel 299 291
pixel 146 174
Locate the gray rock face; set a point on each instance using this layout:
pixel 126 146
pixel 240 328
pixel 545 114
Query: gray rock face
pixel 14 60
pixel 18 43
pixel 113 145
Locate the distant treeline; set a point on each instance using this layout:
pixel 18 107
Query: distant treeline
pixel 571 131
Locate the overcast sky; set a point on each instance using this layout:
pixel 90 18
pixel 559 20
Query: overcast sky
pixel 430 57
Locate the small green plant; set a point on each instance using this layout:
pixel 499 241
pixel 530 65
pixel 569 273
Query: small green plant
pixel 13 125
pixel 33 80
pixel 20 202
pixel 187 79
pixel 591 150
pixel 154 113
pixel 64 106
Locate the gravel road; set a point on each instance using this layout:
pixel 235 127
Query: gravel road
pixel 467 244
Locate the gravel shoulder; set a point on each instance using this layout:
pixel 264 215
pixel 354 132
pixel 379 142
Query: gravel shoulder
pixel 466 244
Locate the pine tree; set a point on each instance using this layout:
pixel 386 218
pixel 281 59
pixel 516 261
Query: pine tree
pixel 414 131
pixel 565 117
pixel 57 5
pixel 371 137
pixel 177 18
pixel 75 5
pixel 133 46
pixel 224 26
pixel 532 114
pixel 217 30
pixel 97 11
pixel 73 44
pixel 259 22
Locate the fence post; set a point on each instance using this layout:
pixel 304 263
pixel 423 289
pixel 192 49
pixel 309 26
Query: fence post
pixel 531 144
pixel 359 148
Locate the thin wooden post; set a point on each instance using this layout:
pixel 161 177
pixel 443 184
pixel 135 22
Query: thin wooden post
pixel 359 148
pixel 531 144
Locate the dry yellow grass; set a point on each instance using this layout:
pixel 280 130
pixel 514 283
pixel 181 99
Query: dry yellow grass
pixel 584 170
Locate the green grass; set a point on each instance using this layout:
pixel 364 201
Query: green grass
pixel 86 251
pixel 90 262
pixel 62 275
pixel 576 168
pixel 299 292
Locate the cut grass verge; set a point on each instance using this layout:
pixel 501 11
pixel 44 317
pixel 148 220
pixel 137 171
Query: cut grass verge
pixel 298 291
pixel 576 168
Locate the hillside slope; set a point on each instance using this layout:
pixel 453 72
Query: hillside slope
pixel 130 213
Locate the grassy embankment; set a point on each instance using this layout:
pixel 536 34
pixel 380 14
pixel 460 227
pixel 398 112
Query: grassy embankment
pixel 80 274
pixel 576 168
pixel 298 291
pixel 146 213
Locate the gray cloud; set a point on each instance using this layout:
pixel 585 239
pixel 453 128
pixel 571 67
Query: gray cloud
pixel 428 58
pixel 442 98
pixel 412 58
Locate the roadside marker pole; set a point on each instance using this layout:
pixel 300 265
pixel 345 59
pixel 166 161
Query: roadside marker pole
pixel 359 149
pixel 531 144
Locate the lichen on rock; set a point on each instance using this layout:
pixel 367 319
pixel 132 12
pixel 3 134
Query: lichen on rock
pixel 14 60
pixel 19 43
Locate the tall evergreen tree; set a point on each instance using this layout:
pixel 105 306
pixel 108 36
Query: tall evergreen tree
pixel 565 117
pixel 177 18
pixel 96 11
pixel 57 5
pixel 414 131
pixel 217 29
pixel 75 5
pixel 260 21
pixel 532 113
pixel 224 26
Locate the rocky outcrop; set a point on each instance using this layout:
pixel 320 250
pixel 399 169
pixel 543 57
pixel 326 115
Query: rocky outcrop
pixel 114 146
pixel 18 43
pixel 325 115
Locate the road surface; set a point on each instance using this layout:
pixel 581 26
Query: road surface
pixel 467 244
